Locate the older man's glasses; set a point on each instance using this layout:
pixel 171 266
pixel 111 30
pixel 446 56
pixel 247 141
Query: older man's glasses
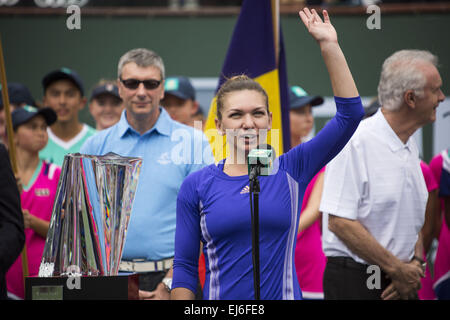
pixel 133 84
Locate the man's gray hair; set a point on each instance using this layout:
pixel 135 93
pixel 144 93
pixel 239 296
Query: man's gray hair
pixel 402 72
pixel 143 58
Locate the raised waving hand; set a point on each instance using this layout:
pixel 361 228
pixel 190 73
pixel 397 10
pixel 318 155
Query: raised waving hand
pixel 320 30
pixel 324 33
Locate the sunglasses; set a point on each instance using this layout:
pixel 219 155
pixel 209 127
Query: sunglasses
pixel 133 84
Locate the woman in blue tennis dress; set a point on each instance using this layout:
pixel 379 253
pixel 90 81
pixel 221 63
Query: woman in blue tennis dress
pixel 213 206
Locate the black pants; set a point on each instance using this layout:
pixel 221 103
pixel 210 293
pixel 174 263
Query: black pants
pixel 148 281
pixel 346 279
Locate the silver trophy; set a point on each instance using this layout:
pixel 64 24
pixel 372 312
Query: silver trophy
pixel 90 215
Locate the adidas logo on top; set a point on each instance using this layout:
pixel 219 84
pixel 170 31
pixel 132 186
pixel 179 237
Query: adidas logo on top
pixel 246 189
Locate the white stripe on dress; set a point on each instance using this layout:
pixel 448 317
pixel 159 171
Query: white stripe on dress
pixel 288 277
pixel 214 284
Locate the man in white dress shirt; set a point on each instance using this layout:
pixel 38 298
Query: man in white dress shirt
pixel 374 195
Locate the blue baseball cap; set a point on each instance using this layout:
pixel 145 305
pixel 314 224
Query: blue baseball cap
pixel 180 87
pixel 18 94
pixel 108 88
pixel 299 98
pixel 24 114
pixel 63 73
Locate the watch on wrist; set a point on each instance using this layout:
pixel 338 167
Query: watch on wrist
pixel 168 283
pixel 423 264
pixel 418 259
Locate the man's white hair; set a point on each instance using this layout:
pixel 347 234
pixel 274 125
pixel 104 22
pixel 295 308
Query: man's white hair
pixel 401 72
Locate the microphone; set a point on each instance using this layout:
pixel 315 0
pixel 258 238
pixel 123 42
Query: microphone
pixel 260 161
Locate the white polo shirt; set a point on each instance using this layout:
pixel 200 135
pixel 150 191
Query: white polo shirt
pixel 377 180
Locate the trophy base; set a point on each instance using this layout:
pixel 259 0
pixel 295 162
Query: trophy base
pixel 120 287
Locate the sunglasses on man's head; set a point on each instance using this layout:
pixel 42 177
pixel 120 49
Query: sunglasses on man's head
pixel 134 83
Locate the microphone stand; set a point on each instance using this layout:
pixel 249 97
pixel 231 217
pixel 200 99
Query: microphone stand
pixel 254 210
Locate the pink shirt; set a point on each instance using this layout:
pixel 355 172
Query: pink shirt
pixel 430 180
pixel 38 199
pixel 442 262
pixel 426 291
pixel 310 260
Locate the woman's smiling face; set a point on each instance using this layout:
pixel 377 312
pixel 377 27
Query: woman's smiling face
pixel 245 120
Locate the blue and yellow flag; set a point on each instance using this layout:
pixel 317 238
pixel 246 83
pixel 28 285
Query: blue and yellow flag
pixel 255 52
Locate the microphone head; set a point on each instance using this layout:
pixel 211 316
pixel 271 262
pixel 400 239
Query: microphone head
pixel 266 146
pixel 261 158
pixel 273 169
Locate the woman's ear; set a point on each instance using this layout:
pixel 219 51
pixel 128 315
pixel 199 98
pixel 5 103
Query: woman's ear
pixel 270 122
pixel 219 126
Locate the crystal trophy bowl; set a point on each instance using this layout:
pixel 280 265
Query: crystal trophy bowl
pixel 90 215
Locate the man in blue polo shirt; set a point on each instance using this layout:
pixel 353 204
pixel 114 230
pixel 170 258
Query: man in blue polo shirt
pixel 170 152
